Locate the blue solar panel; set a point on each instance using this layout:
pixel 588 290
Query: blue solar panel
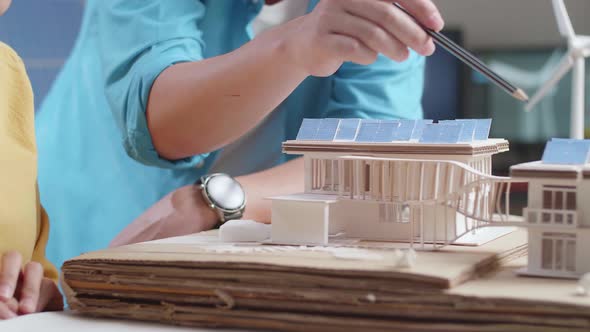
pixel 567 152
pixel 482 129
pixel 405 130
pixel 327 129
pixel 367 131
pixel 569 140
pixel 441 133
pixel 420 124
pixel 468 131
pixel 347 129
pixel 386 131
pixel 308 130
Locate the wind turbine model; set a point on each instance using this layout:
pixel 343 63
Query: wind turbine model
pixel 578 50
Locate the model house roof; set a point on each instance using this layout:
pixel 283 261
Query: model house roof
pixel 562 159
pixel 466 137
pixel 559 151
pixel 387 131
pixel 491 146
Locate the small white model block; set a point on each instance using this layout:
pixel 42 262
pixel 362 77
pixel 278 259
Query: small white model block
pixel 301 221
pixel 583 288
pixel 244 231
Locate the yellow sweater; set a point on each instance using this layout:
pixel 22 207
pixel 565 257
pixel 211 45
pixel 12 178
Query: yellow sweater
pixel 24 225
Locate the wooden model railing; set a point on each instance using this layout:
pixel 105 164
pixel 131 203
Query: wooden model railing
pixel 481 199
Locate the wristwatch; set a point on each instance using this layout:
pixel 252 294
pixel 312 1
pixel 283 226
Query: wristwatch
pixel 224 195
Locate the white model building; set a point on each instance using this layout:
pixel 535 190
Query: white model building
pixel 393 180
pixel 558 213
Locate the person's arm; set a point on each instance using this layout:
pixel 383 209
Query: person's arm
pixel 195 106
pixel 184 211
pixel 242 87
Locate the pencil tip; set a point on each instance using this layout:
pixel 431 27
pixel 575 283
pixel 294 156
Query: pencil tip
pixel 520 95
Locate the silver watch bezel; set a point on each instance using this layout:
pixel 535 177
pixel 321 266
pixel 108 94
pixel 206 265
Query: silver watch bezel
pixel 224 214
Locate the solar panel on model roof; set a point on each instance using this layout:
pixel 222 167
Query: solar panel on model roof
pixel 419 127
pixel 347 130
pixel 482 129
pixel 566 152
pixel 327 129
pixel 308 129
pixel 473 129
pixel 441 133
pixel 318 129
pixel 386 131
pixel 467 130
pixel 405 130
pixel 367 131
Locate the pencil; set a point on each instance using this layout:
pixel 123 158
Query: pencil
pixel 469 59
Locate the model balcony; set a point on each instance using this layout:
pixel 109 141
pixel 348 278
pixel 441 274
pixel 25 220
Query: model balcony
pixel 551 217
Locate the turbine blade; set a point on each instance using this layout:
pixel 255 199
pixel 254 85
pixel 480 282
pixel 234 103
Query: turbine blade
pixel 562 68
pixel 566 29
pixel 520 77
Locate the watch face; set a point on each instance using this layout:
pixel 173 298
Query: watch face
pixel 225 192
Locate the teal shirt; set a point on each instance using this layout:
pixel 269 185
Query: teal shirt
pixel 98 169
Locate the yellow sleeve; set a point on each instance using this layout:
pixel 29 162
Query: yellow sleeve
pixel 23 223
pixel 42 236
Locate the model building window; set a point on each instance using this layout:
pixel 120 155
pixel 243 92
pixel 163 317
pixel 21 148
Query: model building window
pixel 347 174
pixel 367 177
pixel 330 175
pixel 559 198
pixel 376 180
pixel 324 175
pixel 314 174
pixel 558 252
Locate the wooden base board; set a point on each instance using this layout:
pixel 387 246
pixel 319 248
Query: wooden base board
pixel 193 281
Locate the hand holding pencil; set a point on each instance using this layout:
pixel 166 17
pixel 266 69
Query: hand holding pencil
pixel 357 31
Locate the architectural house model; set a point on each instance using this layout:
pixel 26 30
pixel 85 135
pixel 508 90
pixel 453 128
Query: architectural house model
pixel 557 217
pixel 393 180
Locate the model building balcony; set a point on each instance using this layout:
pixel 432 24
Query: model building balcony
pixel 551 217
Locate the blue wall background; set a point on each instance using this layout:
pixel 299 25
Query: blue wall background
pixel 43 33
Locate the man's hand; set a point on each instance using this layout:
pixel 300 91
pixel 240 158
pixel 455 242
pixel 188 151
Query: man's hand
pixel 25 291
pixel 181 212
pixel 357 30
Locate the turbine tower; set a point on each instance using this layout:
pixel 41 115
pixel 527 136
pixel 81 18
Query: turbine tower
pixel 578 49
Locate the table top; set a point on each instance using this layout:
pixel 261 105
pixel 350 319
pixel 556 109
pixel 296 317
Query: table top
pixel 66 321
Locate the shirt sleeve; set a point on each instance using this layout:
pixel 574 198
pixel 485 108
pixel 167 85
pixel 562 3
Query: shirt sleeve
pixel 383 90
pixel 140 39
pixel 40 244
